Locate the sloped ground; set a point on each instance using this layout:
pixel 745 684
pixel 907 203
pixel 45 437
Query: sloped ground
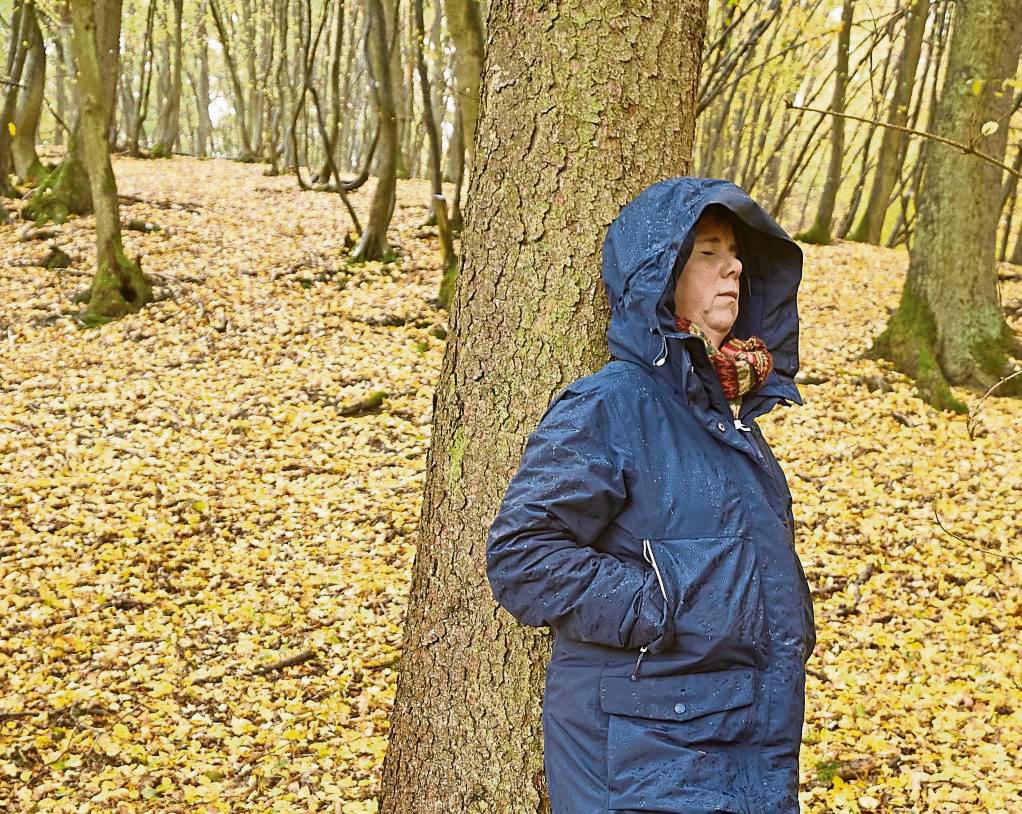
pixel 186 509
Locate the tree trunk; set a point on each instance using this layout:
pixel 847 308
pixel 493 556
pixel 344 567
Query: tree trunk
pixel 200 84
pixel 465 27
pixel 119 286
pixel 949 327
pixel 232 72
pixel 373 244
pixel 819 232
pixel 170 114
pixel 21 20
pixel 30 106
pixel 62 59
pixel 870 228
pixel 439 207
pixel 530 316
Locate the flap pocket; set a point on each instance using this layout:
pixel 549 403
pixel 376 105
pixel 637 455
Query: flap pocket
pixel 677 697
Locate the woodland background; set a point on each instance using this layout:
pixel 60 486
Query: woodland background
pixel 252 364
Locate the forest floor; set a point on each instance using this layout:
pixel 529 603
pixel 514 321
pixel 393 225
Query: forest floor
pixel 204 563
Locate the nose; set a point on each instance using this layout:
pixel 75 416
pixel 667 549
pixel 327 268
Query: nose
pixel 733 268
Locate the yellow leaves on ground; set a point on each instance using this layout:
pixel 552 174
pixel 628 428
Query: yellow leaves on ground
pixel 184 509
pixel 204 564
pixel 913 694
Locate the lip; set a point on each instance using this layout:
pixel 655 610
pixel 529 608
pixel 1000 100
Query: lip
pixel 732 294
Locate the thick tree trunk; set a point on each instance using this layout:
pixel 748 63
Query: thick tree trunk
pixel 949 327
pixel 819 232
pixel 119 286
pixel 870 228
pixel 565 147
pixel 30 106
pixel 373 244
pixel 170 114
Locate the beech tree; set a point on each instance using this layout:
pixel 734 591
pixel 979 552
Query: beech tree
pixel 949 326
pixel 583 105
pixel 119 286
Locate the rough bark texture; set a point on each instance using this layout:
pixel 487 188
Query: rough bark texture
pixel 870 228
pixel 949 325
pixel 119 286
pixel 819 232
pixel 584 104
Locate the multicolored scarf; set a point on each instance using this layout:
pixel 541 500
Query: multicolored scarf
pixel 742 365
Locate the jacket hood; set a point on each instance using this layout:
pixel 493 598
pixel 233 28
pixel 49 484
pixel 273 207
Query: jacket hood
pixel 639 252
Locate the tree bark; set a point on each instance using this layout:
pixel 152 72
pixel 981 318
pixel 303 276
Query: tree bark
pixel 439 207
pixel 119 286
pixel 819 232
pixel 870 228
pixel 584 104
pixel 21 19
pixel 949 327
pixel 30 106
pixel 170 114
pixel 200 85
pixel 465 27
pixel 373 244
pixel 232 71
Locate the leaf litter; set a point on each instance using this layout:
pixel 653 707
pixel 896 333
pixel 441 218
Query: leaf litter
pixel 209 514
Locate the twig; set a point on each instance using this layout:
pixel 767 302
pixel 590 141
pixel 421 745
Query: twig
pixel 185 205
pixel 969 543
pixel 970 423
pixel 965 148
pixel 291 661
pixel 14 716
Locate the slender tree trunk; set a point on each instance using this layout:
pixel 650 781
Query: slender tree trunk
pixel 465 27
pixel 949 327
pixel 439 203
pixel 170 115
pixel 870 227
pixel 119 286
pixel 232 71
pixel 530 315
pixel 200 85
pixel 30 106
pixel 21 21
pixel 373 244
pixel 62 53
pixel 819 232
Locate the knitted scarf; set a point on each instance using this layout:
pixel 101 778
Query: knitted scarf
pixel 742 365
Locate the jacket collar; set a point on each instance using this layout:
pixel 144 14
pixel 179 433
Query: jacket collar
pixel 639 251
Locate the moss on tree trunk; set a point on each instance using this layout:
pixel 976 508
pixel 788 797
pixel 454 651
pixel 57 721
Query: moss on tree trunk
pixel 119 286
pixel 949 327
pixel 63 192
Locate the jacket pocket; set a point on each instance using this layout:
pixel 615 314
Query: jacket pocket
pixel 713 592
pixel 672 741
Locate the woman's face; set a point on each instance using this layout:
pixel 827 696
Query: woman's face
pixel 707 289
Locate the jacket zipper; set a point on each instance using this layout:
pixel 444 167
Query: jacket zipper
pixel 647 555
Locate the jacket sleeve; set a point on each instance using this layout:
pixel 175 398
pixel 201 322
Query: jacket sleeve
pixel 540 561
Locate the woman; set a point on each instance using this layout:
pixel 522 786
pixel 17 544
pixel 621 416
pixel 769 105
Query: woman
pixel 650 526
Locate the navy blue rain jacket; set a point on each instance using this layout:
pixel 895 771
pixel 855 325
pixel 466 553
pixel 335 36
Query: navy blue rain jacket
pixel 653 534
